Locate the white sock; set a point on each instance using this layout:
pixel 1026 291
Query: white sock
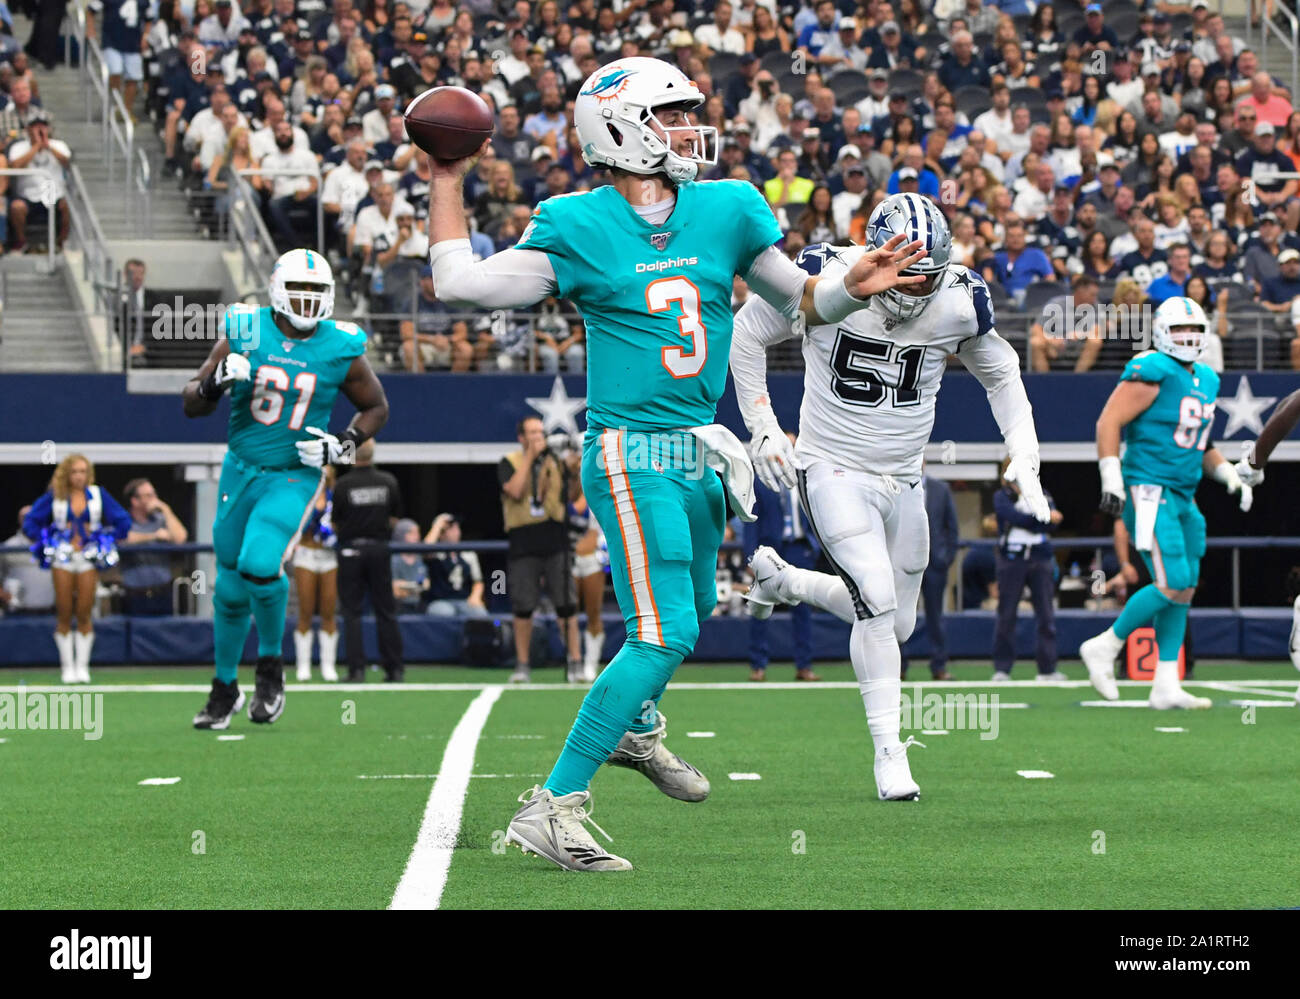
pixel 877 663
pixel 1166 674
pixel 821 590
pixel 1112 641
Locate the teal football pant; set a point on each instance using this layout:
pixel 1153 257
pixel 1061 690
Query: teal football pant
pixel 663 519
pixel 260 513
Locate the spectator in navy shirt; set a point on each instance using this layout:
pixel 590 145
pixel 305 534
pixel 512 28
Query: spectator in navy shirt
pixel 963 68
pixel 1277 293
pixel 1017 266
pixel 1094 33
pixel 1024 558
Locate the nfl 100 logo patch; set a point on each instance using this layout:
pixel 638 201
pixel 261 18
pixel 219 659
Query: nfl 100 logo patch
pixel 660 239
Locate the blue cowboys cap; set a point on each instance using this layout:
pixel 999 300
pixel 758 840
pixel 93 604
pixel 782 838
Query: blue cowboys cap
pixel 917 218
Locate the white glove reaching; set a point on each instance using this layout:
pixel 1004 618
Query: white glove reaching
pixel 773 457
pixel 1225 473
pixel 1248 473
pixel 233 368
pixel 325 449
pixel 1023 471
pixel 1112 486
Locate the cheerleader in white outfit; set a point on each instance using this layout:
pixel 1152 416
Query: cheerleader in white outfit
pixel 316 575
pixel 75 527
pixel 590 560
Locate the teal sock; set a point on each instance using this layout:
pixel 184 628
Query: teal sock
pixel 1171 627
pixel 270 601
pixel 1141 609
pixel 625 696
pixel 232 617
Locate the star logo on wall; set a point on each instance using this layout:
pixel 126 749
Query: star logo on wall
pixel 558 409
pixel 1244 409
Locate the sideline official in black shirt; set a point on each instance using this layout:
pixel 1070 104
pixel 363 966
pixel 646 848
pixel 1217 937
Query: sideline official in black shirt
pixel 366 505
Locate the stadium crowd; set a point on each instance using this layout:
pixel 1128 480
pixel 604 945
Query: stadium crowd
pixel 1103 152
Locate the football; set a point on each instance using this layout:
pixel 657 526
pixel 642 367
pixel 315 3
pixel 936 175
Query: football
pixel 448 123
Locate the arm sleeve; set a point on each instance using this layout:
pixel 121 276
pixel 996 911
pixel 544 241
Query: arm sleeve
pixel 757 326
pixel 951 525
pixel 511 279
pixel 778 280
pixel 505 472
pixel 994 362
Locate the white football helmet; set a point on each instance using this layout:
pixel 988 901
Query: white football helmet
pixel 614 111
pixel 1180 329
pixel 917 218
pixel 303 267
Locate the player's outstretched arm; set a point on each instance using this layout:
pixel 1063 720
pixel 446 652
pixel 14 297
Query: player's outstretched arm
pixel 512 279
pixel 830 301
pixel 994 362
pixel 1129 401
pixel 757 327
pixel 221 370
pixel 1280 423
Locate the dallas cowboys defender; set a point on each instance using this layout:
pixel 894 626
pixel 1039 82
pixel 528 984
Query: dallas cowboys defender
pixel 868 407
pixel 650 260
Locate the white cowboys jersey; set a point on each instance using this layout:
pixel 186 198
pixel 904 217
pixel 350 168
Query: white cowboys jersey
pixel 871 380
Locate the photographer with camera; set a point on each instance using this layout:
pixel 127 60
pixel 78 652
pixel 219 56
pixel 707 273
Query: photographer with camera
pixel 533 507
pixel 759 108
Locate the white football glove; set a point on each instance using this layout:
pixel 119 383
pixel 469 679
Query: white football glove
pixel 1248 473
pixel 233 368
pixel 1023 471
pixel 1112 486
pixel 1225 473
pixel 230 369
pixel 773 457
pixel 325 449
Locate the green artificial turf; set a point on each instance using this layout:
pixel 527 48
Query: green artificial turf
pixel 1201 818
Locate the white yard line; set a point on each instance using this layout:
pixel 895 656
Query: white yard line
pixel 426 870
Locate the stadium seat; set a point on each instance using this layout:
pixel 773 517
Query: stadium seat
pixel 722 66
pixel 1039 294
pixel 792 83
pixel 1105 291
pixel 973 101
pixel 1022 22
pixel 849 80
pixel 1040 116
pixel 983 39
pixel 1123 22
pixel 1069 22
pixel 1181 24
pixel 855 95
pixel 1032 97
pixel 776 63
pixel 908 80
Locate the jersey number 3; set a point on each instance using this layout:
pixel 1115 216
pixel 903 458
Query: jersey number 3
pixel 866 371
pixel 659 297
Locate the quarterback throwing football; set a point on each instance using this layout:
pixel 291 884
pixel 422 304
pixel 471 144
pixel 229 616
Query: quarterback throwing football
pixel 868 408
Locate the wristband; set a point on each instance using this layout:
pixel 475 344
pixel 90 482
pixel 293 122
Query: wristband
pixel 833 302
pixel 209 389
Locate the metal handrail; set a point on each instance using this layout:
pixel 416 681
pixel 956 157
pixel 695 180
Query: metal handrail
pixel 121 131
pixel 50 210
pixel 248 231
pixel 1291 41
pixel 97 265
pixel 143 184
pixel 320 211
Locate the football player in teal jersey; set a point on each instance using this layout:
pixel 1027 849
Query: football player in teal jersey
pixel 283 367
pixel 650 261
pixel 1163 407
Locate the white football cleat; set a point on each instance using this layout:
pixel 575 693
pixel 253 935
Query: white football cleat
pixel 999 677
pixel 893 776
pixel 1165 698
pixel 645 752
pixel 765 593
pixel 1098 654
pixel 553 828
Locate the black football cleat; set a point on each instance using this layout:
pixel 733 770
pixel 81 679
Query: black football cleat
pixel 268 696
pixel 223 704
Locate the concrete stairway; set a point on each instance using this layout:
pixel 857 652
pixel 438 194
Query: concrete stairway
pixel 40 329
